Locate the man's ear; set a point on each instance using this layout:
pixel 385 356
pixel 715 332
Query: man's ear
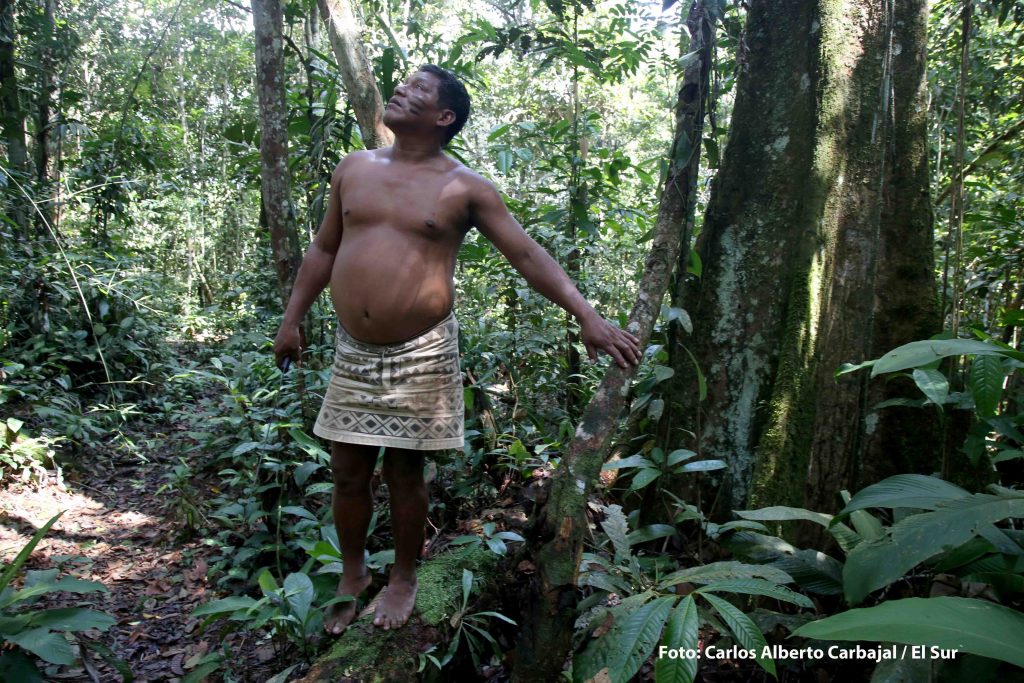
pixel 446 118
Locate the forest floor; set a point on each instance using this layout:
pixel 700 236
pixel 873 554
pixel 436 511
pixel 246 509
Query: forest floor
pixel 116 530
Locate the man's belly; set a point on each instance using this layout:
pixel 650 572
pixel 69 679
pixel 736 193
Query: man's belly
pixel 386 291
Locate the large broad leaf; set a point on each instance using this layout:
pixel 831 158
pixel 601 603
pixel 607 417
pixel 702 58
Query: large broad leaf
pixel 224 606
pixel 722 571
pixel 932 384
pixel 299 592
pixel 16 666
pixel 987 383
pixel 650 533
pixel 904 491
pixel 964 624
pixel 813 571
pixel 757 587
pixel 680 633
pixel 627 645
pixel 67 584
pixel 746 632
pixel 916 354
pixel 845 536
pixel 72 619
pixel 781 513
pixel 913 540
pixel 45 644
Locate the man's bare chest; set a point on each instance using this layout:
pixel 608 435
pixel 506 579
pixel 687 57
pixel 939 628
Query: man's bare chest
pixel 428 206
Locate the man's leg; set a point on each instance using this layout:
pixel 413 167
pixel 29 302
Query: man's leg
pixel 352 467
pixel 403 473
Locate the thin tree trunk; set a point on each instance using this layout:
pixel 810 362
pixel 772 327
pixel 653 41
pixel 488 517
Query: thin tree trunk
pixel 356 71
pixel 555 538
pixel 275 179
pixel 44 124
pixel 13 118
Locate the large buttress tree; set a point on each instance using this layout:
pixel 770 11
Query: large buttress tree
pixel 817 251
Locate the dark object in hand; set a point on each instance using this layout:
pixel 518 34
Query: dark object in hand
pixel 286 363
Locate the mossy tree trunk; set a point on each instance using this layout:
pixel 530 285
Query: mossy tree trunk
pixel 12 119
pixel 275 178
pixel 368 654
pixel 807 249
pixel 556 533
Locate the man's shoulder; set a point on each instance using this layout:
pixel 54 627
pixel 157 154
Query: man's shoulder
pixel 474 183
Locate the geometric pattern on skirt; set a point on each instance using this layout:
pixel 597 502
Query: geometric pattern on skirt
pixel 405 395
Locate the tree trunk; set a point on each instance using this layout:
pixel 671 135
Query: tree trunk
pixel 791 247
pixel 274 176
pixel 906 305
pixel 46 210
pixel 366 653
pixel 356 71
pixel 13 119
pixel 555 538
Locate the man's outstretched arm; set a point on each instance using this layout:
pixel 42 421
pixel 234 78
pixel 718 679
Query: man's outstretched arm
pixel 492 219
pixel 313 275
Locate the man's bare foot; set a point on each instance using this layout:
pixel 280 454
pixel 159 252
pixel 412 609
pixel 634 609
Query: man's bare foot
pixel 396 606
pixel 340 615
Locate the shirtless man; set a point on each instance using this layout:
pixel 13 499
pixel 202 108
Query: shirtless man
pixel 388 244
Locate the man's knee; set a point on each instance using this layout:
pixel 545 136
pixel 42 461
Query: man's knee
pixel 352 468
pixel 403 469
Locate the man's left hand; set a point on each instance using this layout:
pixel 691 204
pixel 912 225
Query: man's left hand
pixel 596 333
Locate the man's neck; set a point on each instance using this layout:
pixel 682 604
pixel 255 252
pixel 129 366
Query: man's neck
pixel 415 150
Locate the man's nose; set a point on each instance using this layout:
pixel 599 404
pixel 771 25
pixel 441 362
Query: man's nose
pixel 400 89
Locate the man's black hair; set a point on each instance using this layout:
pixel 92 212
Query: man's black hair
pixel 451 94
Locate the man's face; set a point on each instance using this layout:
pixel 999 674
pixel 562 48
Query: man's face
pixel 415 101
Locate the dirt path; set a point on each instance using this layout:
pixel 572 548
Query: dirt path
pixel 118 527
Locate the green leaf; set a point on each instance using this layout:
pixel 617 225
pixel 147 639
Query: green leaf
pixel 987 384
pixel 43 643
pixel 505 160
pixel 872 565
pixel 721 571
pixel 13 567
pixel 299 592
pixel 642 478
pixel 782 513
pixel 701 466
pixel 631 461
pixel 758 587
pixel 308 444
pixel 303 471
pixel 932 384
pixel 680 632
pixel 965 624
pixel 651 532
pixel 16 666
pixel 678 456
pixel 298 511
pixel 72 619
pixel 224 606
pixel 746 632
pixel 904 491
pixel 662 372
pixel 627 645
pixel 812 570
pixel 919 353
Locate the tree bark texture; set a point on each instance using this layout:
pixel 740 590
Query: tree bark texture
pixel 902 439
pixel 13 118
pixel 275 179
pixel 792 243
pixel 555 538
pixel 356 71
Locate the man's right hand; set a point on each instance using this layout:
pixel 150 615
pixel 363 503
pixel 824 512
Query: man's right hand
pixel 288 343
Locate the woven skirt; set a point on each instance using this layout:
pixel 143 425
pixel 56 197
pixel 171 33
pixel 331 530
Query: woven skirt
pixel 405 395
